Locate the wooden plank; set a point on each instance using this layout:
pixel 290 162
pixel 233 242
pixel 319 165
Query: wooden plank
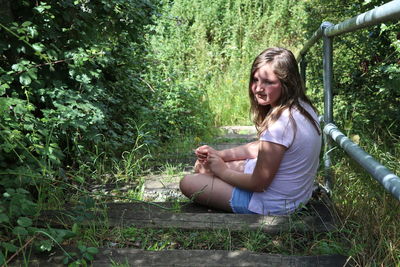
pixel 137 257
pixel 161 215
pixel 234 222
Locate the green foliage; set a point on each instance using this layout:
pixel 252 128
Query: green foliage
pixel 65 83
pixel 212 45
pixel 78 91
pixel 82 257
pixel 66 69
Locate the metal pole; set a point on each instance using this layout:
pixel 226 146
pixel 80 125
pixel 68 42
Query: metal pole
pixel 387 12
pixel 314 38
pixel 388 179
pixel 328 102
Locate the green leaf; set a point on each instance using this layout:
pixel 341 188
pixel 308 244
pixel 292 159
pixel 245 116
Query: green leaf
pixel 9 247
pixel 18 230
pixel 18 67
pixel 3 88
pixel 88 256
pixel 82 248
pixel 92 250
pixel 32 73
pixel 46 245
pixel 42 7
pixel 79 179
pixel 2 259
pixel 38 47
pixel 22 191
pixel 4 218
pixel 75 228
pixel 26 24
pixel 62 234
pixel 25 79
pixel 24 221
pixel 65 260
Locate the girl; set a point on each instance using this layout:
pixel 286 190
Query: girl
pixel 275 174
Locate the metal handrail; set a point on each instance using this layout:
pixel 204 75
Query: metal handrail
pixel 386 12
pixel 314 38
pixel 390 181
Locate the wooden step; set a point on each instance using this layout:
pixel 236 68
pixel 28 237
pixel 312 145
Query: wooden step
pixel 317 218
pixel 137 257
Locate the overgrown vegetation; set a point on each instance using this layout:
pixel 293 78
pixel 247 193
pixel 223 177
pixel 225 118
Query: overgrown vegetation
pixel 78 93
pixel 89 90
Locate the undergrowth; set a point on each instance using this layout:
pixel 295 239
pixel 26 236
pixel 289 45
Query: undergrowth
pixel 367 211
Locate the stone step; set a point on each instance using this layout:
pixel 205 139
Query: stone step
pixel 138 257
pixel 158 188
pixel 238 132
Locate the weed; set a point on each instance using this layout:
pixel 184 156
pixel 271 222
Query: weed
pixel 115 264
pixel 172 169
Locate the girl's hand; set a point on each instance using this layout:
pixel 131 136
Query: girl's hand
pixel 216 164
pixel 203 152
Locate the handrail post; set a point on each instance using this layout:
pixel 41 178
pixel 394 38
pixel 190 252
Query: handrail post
pixel 328 101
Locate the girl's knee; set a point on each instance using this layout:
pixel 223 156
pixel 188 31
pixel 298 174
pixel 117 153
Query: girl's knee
pixel 185 185
pixel 192 183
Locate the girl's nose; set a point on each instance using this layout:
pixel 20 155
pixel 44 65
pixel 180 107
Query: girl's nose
pixel 259 87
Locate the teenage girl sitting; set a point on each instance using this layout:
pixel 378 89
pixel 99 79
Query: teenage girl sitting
pixel 275 174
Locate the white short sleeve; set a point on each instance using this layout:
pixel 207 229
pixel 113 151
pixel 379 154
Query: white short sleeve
pixel 280 132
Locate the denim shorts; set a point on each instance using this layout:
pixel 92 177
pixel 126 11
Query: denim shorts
pixel 240 201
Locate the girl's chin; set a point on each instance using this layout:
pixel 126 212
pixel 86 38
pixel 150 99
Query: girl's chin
pixel 263 103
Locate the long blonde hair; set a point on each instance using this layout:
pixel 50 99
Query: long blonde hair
pixel 285 68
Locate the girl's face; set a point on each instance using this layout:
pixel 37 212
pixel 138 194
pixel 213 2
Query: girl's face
pixel 266 86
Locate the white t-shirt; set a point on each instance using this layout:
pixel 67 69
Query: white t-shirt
pixel 293 182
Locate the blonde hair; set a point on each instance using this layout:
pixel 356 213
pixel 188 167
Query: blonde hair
pixel 285 68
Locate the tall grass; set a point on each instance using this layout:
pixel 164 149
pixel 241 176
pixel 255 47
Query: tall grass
pixel 367 211
pixel 213 43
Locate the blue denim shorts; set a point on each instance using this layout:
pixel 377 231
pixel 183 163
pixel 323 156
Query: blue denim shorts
pixel 240 201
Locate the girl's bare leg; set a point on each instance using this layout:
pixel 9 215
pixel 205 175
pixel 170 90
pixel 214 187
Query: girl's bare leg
pixel 208 190
pixel 237 165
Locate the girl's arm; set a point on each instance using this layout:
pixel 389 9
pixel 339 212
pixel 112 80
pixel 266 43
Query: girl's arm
pixel 242 152
pixel 247 151
pixel 269 159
